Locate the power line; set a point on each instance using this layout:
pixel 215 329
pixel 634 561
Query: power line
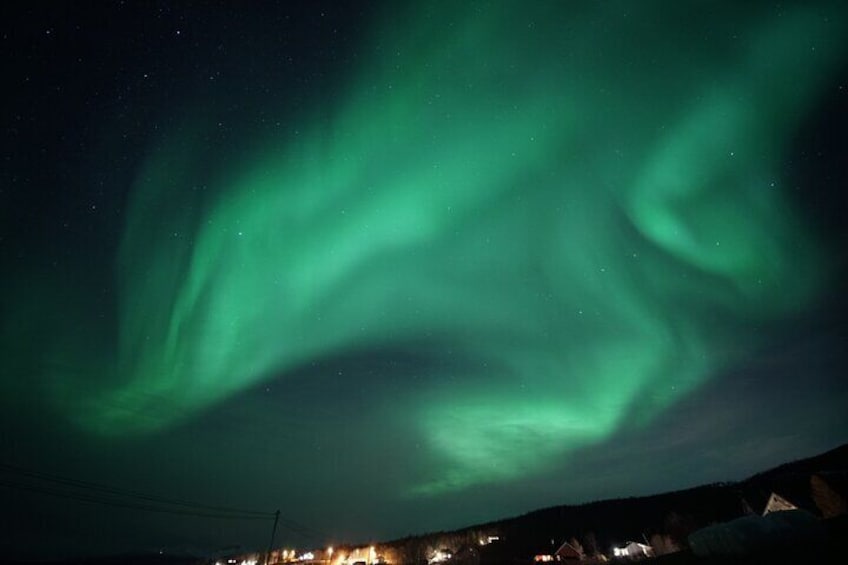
pixel 106 489
pixel 107 495
pixel 118 504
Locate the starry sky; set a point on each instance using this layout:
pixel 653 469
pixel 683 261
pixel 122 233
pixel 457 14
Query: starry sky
pixel 396 268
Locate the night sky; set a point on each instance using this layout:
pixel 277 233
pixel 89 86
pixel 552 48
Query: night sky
pixel 402 268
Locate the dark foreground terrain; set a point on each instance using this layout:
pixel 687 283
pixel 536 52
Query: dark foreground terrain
pixel 831 551
pixel 817 486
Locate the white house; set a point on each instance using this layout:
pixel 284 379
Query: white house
pixel 634 550
pixel 777 503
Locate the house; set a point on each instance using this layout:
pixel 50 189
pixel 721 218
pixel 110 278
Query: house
pixel 568 553
pixel 633 550
pixel 777 503
pixel 829 495
pixel 440 556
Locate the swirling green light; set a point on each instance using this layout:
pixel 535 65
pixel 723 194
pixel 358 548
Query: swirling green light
pixel 584 204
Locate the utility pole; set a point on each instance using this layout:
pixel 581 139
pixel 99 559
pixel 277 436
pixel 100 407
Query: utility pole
pixel 271 543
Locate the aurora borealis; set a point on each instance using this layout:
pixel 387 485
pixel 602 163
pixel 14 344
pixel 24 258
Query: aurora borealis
pixel 461 248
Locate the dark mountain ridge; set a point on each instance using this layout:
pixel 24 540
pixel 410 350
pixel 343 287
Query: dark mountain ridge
pixel 661 520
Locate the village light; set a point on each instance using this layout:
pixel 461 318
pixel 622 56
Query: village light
pixel 440 556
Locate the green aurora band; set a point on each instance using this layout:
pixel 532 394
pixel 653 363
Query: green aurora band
pixel 583 208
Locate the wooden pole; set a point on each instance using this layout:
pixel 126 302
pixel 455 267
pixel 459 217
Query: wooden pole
pixel 273 533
